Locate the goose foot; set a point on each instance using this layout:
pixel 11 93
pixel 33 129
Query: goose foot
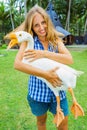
pixel 77 110
pixel 58 117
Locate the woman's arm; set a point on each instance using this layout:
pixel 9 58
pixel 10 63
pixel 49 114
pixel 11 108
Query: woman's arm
pixel 19 65
pixel 28 69
pixel 63 56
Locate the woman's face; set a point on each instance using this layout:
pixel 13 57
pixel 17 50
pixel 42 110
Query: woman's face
pixel 39 25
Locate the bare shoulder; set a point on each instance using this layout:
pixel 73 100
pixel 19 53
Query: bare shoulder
pixel 61 47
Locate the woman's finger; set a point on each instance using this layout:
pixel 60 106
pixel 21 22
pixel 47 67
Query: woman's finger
pixel 29 53
pixel 54 70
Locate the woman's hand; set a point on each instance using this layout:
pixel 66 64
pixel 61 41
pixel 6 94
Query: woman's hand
pixel 53 78
pixel 33 54
pixel 51 75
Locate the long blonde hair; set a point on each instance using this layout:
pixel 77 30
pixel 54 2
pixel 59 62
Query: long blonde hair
pixel 52 35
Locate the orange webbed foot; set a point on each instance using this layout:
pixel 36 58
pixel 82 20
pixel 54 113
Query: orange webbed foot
pixel 58 117
pixel 77 110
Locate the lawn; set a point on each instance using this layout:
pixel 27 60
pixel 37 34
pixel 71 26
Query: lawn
pixel 15 113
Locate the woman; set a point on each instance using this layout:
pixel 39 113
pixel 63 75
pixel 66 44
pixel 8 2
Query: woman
pixel 46 44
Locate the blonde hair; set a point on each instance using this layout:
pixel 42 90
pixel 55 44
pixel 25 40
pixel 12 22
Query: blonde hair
pixel 52 35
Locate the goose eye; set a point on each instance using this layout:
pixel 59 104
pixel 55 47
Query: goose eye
pixel 20 35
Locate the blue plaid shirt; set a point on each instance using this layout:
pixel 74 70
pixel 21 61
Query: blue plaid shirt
pixel 37 89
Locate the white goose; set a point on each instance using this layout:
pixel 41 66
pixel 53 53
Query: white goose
pixel 67 74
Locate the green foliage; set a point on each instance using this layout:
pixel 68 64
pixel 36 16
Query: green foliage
pixel 4 46
pixel 77 16
pixel 15 113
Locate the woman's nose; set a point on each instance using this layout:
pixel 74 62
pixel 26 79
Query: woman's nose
pixel 41 26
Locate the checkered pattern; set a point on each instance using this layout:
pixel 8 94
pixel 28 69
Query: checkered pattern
pixel 38 90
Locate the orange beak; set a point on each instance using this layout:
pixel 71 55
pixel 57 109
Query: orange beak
pixel 13 39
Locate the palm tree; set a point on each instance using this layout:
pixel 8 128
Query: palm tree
pixel 68 15
pixel 25 7
pixel 85 28
pixel 10 7
pixel 3 20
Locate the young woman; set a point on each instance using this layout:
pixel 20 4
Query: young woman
pixel 46 44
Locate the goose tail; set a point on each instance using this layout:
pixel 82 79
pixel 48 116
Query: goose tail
pixel 78 73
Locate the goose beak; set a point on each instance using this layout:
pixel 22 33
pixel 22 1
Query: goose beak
pixel 13 38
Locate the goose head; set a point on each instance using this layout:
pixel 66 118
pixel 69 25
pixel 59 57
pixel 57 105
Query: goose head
pixel 18 38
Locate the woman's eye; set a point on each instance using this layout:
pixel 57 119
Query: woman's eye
pixel 36 25
pixel 43 22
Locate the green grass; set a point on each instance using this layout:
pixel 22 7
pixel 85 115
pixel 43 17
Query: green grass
pixel 15 113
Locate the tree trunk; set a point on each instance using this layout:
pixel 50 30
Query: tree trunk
pixel 25 7
pixel 12 22
pixel 85 28
pixel 68 16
